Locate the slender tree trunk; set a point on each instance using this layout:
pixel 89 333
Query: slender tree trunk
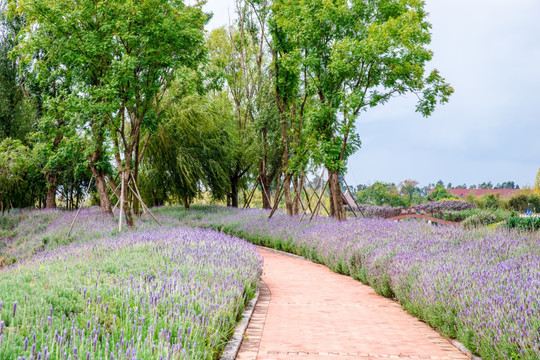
pixel 287 194
pixel 52 186
pixel 103 193
pixel 266 183
pixel 298 186
pixel 186 203
pixel 336 202
pixel 130 222
pixel 234 190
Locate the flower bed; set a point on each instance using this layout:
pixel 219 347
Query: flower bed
pixel 481 287
pixel 156 294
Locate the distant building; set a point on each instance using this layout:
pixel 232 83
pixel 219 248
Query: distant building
pixel 462 193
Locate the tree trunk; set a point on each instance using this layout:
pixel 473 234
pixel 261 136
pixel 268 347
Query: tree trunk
pixel 186 203
pixel 103 193
pixel 266 183
pixel 287 193
pixel 298 186
pixel 52 186
pixel 130 222
pixel 336 202
pixel 234 190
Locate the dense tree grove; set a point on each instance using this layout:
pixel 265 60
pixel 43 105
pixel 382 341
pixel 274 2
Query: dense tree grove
pixel 138 102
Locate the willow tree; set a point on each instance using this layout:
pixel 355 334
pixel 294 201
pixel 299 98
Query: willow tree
pixel 358 54
pixel 191 151
pixel 122 56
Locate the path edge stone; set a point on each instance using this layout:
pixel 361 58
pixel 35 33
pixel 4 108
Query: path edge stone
pixel 454 342
pixel 232 347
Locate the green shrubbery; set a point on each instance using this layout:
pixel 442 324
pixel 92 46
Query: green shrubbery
pixel 481 218
pixel 524 223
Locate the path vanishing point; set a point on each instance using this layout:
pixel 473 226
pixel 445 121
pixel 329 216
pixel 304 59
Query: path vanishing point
pixel 306 311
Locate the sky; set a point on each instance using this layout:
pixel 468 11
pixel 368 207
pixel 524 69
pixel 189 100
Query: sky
pixel 489 51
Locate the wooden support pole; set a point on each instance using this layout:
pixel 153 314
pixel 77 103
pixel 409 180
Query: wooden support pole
pixel 320 202
pixel 264 190
pixel 354 199
pixel 248 202
pixel 298 195
pixel 277 200
pixel 79 210
pixel 316 186
pixel 138 195
pixel 320 197
pixel 121 203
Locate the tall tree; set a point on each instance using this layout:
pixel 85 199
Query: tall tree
pixel 190 152
pixel 122 57
pixel 358 54
pixel 237 56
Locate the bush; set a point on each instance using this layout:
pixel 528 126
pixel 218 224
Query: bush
pixel 524 200
pixel 380 211
pixel 524 223
pixel 440 193
pixel 447 205
pixel 482 218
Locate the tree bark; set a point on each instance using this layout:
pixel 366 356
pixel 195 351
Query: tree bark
pixel 336 202
pixel 52 186
pixel 298 186
pixel 101 184
pixel 266 183
pixel 130 222
pixel 234 190
pixel 287 194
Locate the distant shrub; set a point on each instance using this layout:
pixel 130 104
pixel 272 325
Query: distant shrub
pixel 482 218
pixel 524 223
pixel 526 199
pixel 440 193
pixel 380 211
pixel 500 214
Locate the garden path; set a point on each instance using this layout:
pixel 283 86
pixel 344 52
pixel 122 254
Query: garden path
pixel 306 311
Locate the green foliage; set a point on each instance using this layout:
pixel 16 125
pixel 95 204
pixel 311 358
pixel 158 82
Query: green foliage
pixel 481 218
pixel 439 194
pixel 16 112
pixel 525 200
pixel 190 152
pixel 20 179
pixel 106 67
pixel 500 214
pixel 380 194
pixel 354 55
pixel 530 223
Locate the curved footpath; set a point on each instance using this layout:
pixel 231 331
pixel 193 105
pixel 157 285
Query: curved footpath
pixel 306 311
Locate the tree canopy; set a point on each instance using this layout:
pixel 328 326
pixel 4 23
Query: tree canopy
pixel 138 93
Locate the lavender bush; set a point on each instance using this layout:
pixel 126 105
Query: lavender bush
pixel 154 294
pixel 481 286
pixel 26 233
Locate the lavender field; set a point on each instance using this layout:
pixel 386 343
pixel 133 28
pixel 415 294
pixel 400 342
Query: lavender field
pixel 162 293
pixel 479 286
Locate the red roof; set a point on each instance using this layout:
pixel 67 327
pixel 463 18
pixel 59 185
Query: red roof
pixel 462 193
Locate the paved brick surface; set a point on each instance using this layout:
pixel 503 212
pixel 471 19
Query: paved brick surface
pixel 306 311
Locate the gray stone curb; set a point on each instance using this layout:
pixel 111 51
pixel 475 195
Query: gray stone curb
pixel 232 347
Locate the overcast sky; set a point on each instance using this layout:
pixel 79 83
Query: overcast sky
pixel 489 50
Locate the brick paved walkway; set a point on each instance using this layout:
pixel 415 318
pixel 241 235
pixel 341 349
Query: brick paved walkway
pixel 306 311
